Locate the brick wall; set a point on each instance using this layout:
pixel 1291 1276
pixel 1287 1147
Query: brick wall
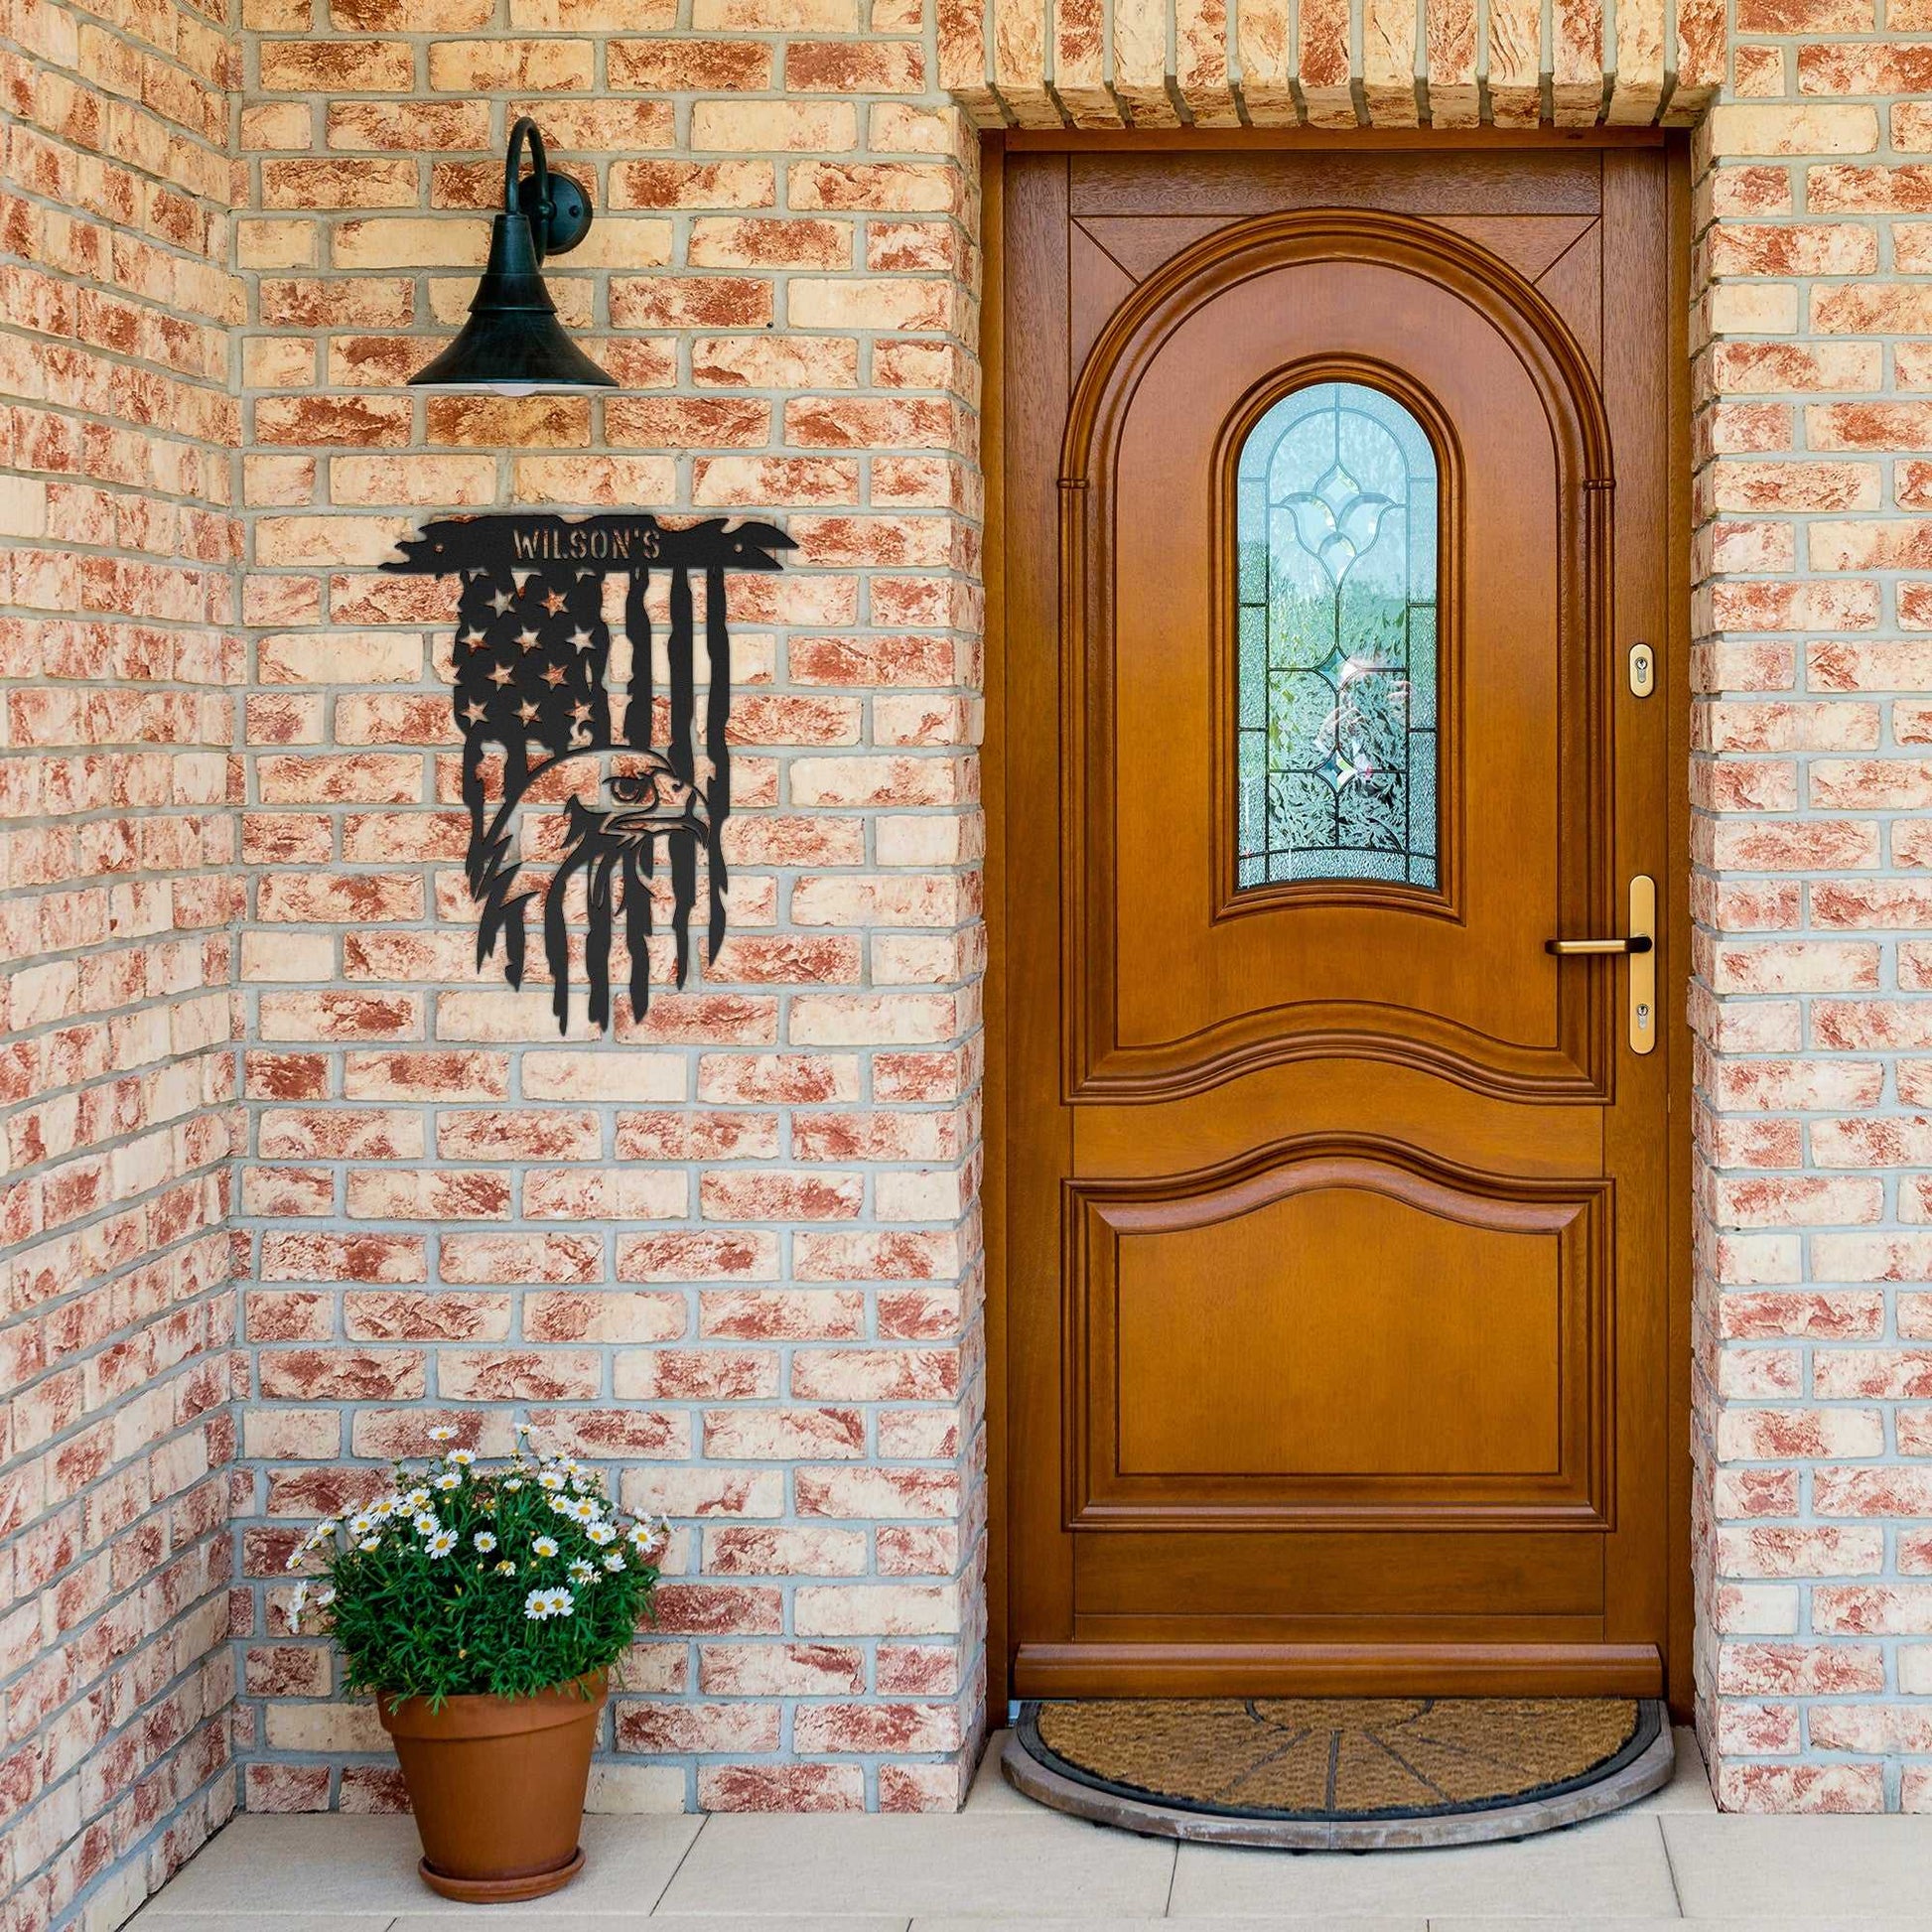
pixel 732 1251
pixel 1813 1006
pixel 119 657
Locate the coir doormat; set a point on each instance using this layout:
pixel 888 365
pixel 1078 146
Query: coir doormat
pixel 1341 1772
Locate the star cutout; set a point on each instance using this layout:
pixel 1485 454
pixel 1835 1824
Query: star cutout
pixel 554 675
pixel 474 712
pixel 581 639
pixel 527 711
pixel 580 714
pixel 500 601
pixel 479 642
pixel 526 640
pixel 554 601
pixel 499 674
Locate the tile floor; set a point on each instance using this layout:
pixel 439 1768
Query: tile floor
pixel 1005 1862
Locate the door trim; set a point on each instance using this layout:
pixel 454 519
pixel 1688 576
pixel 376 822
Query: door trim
pixel 1596 1670
pixel 1338 1670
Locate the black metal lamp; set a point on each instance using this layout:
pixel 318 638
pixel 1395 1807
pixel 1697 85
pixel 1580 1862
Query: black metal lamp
pixel 513 343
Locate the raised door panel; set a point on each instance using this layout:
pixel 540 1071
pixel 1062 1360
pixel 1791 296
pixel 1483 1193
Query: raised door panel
pixel 1465 182
pixel 1401 1343
pixel 1313 1583
pixel 1334 1335
pixel 1188 975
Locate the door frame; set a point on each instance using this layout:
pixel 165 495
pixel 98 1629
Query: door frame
pixel 1675 690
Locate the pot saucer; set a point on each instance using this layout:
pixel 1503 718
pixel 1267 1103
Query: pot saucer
pixel 501 1891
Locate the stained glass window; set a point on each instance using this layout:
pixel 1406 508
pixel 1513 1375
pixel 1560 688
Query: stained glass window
pixel 1337 758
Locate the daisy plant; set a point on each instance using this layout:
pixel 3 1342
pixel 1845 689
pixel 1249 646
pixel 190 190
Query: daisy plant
pixel 461 1580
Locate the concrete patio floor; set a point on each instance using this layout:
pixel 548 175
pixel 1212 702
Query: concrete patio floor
pixel 1671 1859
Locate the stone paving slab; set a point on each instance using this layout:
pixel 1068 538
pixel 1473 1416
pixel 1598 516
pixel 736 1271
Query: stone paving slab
pixel 1004 1865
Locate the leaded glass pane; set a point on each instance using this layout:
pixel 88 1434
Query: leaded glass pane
pixel 1337 671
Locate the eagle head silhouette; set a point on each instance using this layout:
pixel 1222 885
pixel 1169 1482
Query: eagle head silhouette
pixel 617 803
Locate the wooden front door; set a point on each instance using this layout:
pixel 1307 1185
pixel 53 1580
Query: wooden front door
pixel 1338 1220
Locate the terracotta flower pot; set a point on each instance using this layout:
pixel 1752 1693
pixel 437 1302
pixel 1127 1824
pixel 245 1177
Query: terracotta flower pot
pixel 498 1787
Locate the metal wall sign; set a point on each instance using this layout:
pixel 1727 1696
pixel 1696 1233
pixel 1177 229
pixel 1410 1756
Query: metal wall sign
pixel 532 650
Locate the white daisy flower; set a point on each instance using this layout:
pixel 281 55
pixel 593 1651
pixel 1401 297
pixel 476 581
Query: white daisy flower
pixel 613 1560
pixel 386 1508
pixel 297 1605
pixel 449 1480
pixel 584 1509
pixel 371 1543
pixel 544 1546
pixel 484 1541
pixel 550 1479
pixel 514 1483
pixel 581 1571
pixel 460 1457
pixel 416 1498
pixel 540 1605
pixel 561 1602
pixel 506 1568
pixel 324 1597
pixel 524 1428
pixel 601 1533
pixel 442 1434
pixel 426 1523
pixel 442 1543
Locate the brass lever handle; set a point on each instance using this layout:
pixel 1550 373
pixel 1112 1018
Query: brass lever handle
pixel 1572 948
pixel 1641 945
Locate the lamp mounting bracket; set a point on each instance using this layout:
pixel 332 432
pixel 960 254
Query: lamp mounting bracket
pixel 569 216
pixel 557 209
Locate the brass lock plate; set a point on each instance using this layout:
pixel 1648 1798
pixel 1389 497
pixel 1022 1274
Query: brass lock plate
pixel 1644 965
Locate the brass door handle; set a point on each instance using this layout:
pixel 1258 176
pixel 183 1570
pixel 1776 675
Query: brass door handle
pixel 1641 947
pixel 1587 948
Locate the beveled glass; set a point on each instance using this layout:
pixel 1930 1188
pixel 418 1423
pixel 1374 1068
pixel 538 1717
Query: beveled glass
pixel 1336 641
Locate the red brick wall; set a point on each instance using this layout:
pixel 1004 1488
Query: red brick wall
pixel 732 1251
pixel 1810 788
pixel 120 658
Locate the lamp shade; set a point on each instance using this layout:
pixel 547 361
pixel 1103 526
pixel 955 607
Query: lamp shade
pixel 513 343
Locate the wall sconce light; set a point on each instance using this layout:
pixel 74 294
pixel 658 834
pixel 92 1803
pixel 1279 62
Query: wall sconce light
pixel 513 345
